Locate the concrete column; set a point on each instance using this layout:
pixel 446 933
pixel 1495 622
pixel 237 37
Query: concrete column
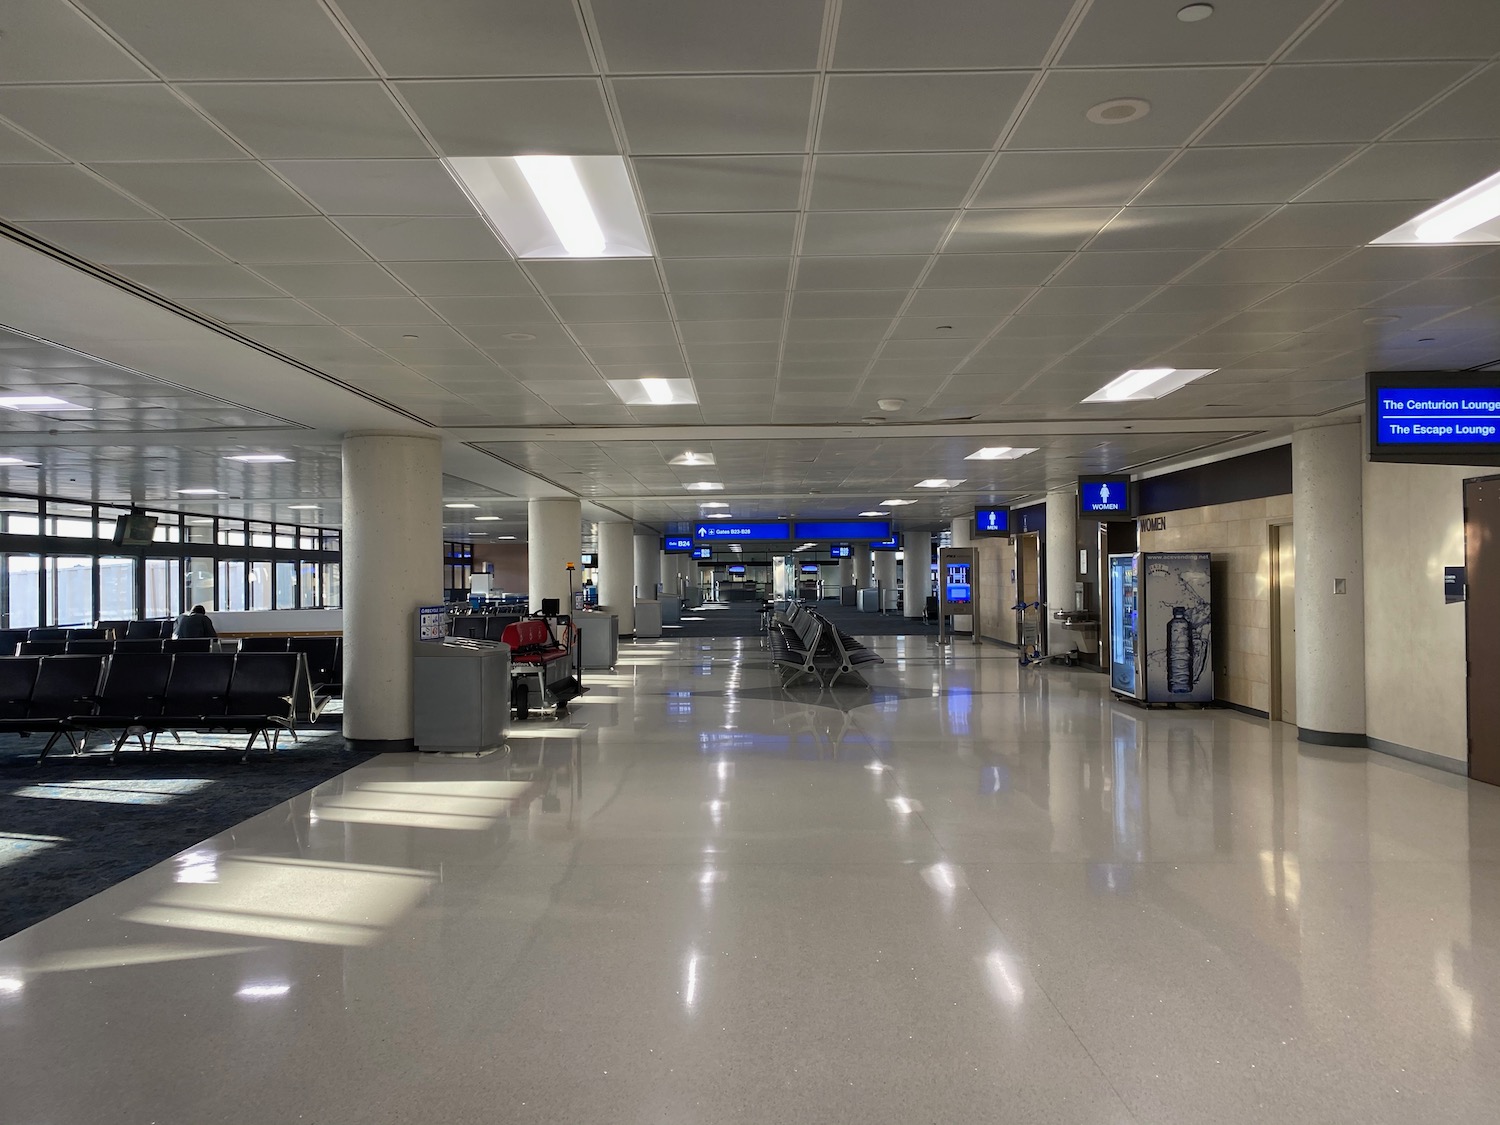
pixel 671 574
pixel 846 572
pixel 961 535
pixel 862 565
pixel 647 566
pixel 617 572
pixel 392 564
pixel 916 578
pixel 554 533
pixel 1328 534
pixel 1062 565
pixel 885 575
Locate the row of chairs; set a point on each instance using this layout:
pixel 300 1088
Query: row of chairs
pixel 324 657
pixel 156 628
pixel 94 647
pixel 805 643
pixel 147 694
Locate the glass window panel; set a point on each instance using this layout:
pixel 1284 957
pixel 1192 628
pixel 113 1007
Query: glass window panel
pixel 70 589
pixel 231 587
pixel 23 592
pixel 308 542
pixel 199 529
pixel 310 585
pixel 116 587
pixel 19 516
pixel 200 583
pixel 167 532
pixel 286 585
pixel 232 537
pixel 71 521
pixel 262 596
pixel 332 591
pixel 286 540
pixel 164 587
pixel 260 539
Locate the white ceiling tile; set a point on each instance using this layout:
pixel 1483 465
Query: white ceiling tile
pixel 860 272
pixel 1021 229
pixel 1384 29
pixel 732 375
pixel 410 339
pixel 377 187
pixel 1144 32
pixel 311 120
pixel 513 116
pixel 874 232
pixel 1126 267
pixel 1279 264
pixel 491 310
pixel 729 306
pixel 719 183
pixel 825 351
pixel 992 303
pixel 206 189
pixel 105 122
pixel 673 36
pixel 1177 228
pixel 528 337
pixel 992 270
pixel 212 39
pixel 946 34
pixel 1067 299
pixel 463 279
pixel 217 281
pixel 625 333
pixel 46 41
pixel 970 328
pixel 1396 263
pixel 602 275
pixel 424 238
pixel 697 332
pixel 1308 104
pixel 423 358
pixel 1327 224
pixel 926 349
pixel 762 233
pixel 236 311
pixel 1428 170
pixel 741 275
pixel 620 307
pixel 738 114
pixel 471 37
pixel 1068 178
pixel 374 310
pixel 303 239
pixel 610 356
pixel 918 112
pixel 1339 295
pixel 895 181
pixel 126 242
pixel 307 339
pixel 838 329
pixel 808 304
pixel 1219 299
pixel 673 370
pixel 332 279
pixel 1261 174
pixel 1467 112
pixel 61 191
pixel 1181 100
pixel 17 148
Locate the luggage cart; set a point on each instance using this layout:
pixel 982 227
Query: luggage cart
pixel 1029 631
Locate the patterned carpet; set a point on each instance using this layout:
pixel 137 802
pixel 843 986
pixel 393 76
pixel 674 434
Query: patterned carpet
pixel 75 825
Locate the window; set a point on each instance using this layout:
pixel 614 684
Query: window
pixel 71 521
pixel 309 584
pixel 22 608
pixel 164 587
pixel 332 592
pixel 70 589
pixel 19 516
pixel 286 585
pixel 117 587
pixel 261 594
pixel 231 584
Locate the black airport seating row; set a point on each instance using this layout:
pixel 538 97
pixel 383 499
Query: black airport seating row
pixel 325 666
pixel 146 694
pixel 482 626
pixel 805 643
pixel 110 648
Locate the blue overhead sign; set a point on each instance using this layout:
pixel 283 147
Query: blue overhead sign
pixel 1437 416
pixel 891 544
pixel 739 532
pixel 1104 497
pixel 703 552
pixel 843 551
pixel 842 529
pixel 676 544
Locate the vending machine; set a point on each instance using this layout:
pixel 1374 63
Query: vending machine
pixel 1161 627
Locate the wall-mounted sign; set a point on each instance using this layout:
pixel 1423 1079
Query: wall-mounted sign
pixel 842 529
pixel 736 569
pixel 1104 498
pixel 809 568
pixel 1153 523
pixel 703 552
pixel 891 544
pixel 841 551
pixel 1455 583
pixel 992 521
pixel 1433 417
pixel 432 623
pixel 676 544
pixel 739 532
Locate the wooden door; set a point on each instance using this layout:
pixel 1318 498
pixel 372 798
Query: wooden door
pixel 1482 625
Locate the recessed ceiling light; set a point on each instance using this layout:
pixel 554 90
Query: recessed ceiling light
pixel 13 461
pixel 460 505
pixel 488 518
pixel 704 486
pixel 519 336
pixel 713 504
pixel 999 453
pixel 1385 319
pixel 938 482
pixel 872 513
pixel 1118 111
pixel 304 507
pixel 199 492
pixel 895 503
pixel 890 405
pixel 655 392
pixel 1147 383
pixel 1195 13
pixel 38 402
pixel 1470 217
pixel 260 458
pixel 556 206
pixel 717 516
pixel 691 458
pixel 505 537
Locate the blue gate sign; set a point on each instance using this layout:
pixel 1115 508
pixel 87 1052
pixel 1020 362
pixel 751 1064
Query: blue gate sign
pixel 676 544
pixel 739 532
pixel 842 529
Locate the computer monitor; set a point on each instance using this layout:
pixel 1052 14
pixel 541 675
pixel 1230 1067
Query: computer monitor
pixel 589 560
pixel 134 530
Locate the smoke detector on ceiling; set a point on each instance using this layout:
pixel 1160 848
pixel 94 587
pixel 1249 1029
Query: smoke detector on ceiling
pixel 1118 111
pixel 891 404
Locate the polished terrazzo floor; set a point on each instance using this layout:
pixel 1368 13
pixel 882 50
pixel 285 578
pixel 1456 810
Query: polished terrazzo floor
pixel 974 892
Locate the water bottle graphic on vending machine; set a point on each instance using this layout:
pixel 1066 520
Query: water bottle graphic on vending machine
pixel 1179 652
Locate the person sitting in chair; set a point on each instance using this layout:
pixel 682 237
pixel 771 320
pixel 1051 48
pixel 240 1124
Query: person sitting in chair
pixel 194 624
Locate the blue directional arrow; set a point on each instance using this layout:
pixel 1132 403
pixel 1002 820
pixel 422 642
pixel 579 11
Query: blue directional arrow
pixel 702 531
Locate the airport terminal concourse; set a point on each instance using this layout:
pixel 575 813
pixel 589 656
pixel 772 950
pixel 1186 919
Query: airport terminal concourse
pixel 696 561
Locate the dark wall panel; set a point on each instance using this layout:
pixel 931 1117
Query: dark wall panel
pixel 1265 473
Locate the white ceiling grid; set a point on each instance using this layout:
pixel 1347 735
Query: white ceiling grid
pixel 849 200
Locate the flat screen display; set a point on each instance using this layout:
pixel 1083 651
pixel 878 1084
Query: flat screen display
pixel 809 568
pixel 736 569
pixel 134 530
pixel 1434 417
pixel 703 552
pixel 992 521
pixel 891 544
pixel 958 592
pixel 677 544
pixel 842 551
pixel 1105 498
pixel 589 559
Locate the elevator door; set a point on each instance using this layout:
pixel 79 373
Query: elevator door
pixel 1482 625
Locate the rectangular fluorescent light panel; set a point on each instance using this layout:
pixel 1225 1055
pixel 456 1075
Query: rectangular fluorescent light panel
pixel 38 402
pixel 713 504
pixel 998 453
pixel 199 492
pixel 937 482
pixel 1147 383
pixel 488 518
pixel 895 503
pixel 689 458
pixel 704 486
pixel 872 513
pixel 1472 217
pixel 460 505
pixel 260 458
pixel 11 461
pixel 657 392
pixel 303 507
pixel 556 206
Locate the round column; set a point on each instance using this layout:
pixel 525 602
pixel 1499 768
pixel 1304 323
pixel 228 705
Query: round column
pixel 885 575
pixel 862 566
pixel 617 572
pixel 916 575
pixel 1328 536
pixel 647 566
pixel 392 563
pixel 1062 565
pixel 554 538
pixel 961 535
